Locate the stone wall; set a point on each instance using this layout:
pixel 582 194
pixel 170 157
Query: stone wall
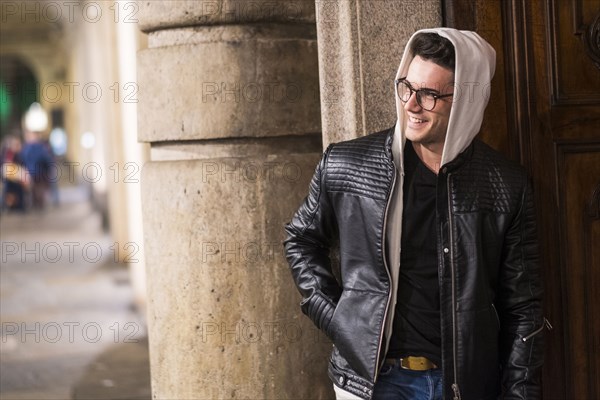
pixel 360 48
pixel 229 101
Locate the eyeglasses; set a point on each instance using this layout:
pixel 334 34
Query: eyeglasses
pixel 425 97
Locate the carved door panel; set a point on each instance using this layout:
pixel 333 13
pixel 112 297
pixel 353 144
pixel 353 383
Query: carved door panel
pixel 564 157
pixel 549 64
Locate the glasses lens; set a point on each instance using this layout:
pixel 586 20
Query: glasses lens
pixel 426 100
pixel 404 91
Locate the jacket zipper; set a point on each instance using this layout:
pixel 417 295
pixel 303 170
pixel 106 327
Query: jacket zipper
pixel 455 387
pixel 545 324
pixel 387 206
pixel 496 314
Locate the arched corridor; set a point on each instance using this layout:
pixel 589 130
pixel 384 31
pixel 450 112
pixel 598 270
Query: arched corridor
pixel 70 327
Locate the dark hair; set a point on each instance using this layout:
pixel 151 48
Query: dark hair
pixel 433 47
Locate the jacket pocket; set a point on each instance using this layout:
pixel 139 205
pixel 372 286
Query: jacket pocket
pixel 319 309
pixel 545 324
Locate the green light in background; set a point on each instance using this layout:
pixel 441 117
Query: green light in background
pixel 5 104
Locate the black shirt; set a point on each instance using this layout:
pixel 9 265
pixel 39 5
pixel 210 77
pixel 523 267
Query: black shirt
pixel 416 329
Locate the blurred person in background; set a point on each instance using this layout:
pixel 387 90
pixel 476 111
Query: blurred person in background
pixel 57 146
pixel 37 159
pixel 15 178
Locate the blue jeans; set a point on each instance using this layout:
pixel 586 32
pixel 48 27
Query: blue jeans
pixel 396 383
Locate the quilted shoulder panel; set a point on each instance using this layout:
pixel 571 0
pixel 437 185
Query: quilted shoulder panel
pixel 362 166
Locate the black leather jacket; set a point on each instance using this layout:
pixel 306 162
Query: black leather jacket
pixel 490 291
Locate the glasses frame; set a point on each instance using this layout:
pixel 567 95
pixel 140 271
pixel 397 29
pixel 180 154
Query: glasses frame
pixel 417 91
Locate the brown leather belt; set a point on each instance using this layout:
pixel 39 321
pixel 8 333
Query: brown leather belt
pixel 412 363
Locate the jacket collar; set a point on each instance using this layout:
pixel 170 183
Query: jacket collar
pixel 394 150
pixel 461 158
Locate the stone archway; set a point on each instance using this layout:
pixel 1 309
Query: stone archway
pixel 19 88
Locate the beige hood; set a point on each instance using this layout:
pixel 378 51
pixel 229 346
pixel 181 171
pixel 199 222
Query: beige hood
pixel 474 69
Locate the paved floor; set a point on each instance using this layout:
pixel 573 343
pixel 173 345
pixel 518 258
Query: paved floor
pixel 68 326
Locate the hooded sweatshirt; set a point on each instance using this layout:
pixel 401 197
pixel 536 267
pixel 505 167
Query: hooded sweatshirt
pixel 474 68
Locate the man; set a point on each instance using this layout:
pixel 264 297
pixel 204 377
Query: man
pixel 14 177
pixel 37 159
pixel 438 290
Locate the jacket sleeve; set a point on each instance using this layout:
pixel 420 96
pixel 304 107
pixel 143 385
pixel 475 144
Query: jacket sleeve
pixel 519 303
pixel 310 235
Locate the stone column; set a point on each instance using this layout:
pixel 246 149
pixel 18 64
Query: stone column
pixel 229 103
pixel 360 47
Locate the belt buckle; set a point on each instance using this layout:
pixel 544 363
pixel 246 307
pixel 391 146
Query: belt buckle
pixel 417 363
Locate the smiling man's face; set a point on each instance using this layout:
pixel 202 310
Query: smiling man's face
pixel 428 128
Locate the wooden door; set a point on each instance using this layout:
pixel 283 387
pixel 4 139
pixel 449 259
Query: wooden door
pixel 549 75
